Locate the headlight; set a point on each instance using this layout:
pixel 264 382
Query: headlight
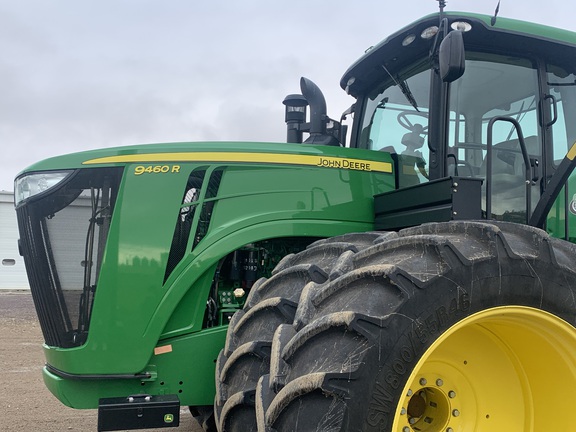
pixel 29 185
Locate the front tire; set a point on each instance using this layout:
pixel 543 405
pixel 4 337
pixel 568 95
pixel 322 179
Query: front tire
pixel 270 303
pixel 451 326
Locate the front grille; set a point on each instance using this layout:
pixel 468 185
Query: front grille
pixel 62 239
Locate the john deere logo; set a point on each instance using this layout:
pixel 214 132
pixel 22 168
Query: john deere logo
pixel 168 418
pixel 573 205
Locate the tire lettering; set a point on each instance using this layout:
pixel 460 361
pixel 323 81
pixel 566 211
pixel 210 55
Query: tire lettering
pixel 420 332
pixel 393 380
pixel 464 301
pixel 453 309
pixel 380 406
pixel 399 367
pixel 442 316
pixel 406 354
pixel 431 324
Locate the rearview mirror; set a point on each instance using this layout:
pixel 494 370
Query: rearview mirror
pixel 451 56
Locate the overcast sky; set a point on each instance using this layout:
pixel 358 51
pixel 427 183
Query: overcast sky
pixel 83 74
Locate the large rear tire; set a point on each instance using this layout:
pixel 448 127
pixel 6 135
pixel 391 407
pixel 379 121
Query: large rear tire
pixel 270 303
pixel 449 327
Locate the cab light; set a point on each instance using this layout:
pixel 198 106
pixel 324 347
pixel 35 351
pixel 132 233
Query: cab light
pixel 462 26
pixel 429 32
pixel 408 39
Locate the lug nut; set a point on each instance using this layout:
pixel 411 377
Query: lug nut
pixel 451 394
pixel 439 382
pixel 449 430
pixel 409 392
pixel 412 420
pixel 455 413
pixel 403 411
pixel 405 429
pixel 423 381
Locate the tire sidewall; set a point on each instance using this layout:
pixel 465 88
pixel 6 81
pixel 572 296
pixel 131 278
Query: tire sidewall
pixel 438 305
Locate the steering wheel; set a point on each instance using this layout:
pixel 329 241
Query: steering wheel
pixel 406 123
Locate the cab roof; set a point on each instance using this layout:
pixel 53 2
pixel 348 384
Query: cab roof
pixel 506 35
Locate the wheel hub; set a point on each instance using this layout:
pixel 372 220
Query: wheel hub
pixel 498 369
pixel 429 407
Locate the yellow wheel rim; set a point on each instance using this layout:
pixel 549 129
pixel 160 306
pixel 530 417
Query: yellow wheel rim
pixel 503 369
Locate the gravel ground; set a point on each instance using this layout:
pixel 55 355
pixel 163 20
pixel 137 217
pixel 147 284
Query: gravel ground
pixel 25 404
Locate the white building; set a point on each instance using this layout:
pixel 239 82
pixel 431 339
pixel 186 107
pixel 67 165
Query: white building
pixel 12 271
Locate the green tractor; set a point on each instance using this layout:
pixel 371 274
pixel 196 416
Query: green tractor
pixel 420 277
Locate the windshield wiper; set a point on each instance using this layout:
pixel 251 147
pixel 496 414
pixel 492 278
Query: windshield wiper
pixel 403 85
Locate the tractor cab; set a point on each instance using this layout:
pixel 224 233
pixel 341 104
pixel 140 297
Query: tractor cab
pixel 471 97
pixel 452 325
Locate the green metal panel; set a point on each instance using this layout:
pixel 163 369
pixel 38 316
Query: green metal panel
pixel 531 29
pixel 556 220
pixel 266 191
pixel 186 369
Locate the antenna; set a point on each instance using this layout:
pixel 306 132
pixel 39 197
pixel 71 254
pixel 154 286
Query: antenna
pixel 441 5
pixel 493 20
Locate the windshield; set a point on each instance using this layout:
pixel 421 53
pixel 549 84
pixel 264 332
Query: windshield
pixel 493 86
pixel 396 121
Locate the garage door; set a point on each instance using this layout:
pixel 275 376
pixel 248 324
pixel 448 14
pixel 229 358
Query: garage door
pixel 12 271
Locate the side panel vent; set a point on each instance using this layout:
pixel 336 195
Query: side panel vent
pixel 185 219
pixel 208 205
